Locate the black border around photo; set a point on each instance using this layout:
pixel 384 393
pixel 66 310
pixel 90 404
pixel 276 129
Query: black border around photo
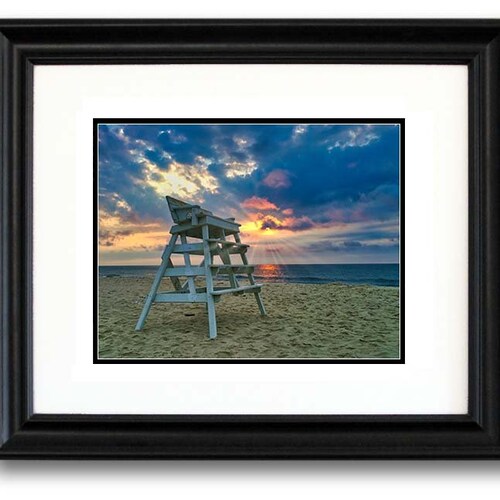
pixel 399 121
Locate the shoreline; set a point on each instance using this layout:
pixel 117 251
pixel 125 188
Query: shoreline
pixel 265 283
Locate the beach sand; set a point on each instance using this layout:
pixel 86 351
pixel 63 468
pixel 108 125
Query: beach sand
pixel 304 321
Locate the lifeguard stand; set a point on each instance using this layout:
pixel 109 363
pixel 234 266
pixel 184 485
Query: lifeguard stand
pixel 210 233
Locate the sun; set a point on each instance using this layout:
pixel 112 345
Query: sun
pixel 268 231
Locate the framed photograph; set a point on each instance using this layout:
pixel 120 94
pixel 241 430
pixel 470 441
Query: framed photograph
pixel 294 240
pixel 250 239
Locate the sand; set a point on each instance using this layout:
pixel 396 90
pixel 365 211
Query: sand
pixel 304 321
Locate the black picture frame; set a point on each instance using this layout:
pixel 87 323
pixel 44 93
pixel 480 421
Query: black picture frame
pixel 26 43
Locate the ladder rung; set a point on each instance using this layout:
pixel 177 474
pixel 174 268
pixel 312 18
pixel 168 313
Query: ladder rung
pixel 236 250
pixel 180 297
pixel 241 289
pixel 192 248
pixel 197 249
pixel 228 243
pixel 183 271
pixel 225 269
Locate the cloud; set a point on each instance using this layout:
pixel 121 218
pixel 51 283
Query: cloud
pixel 147 248
pixel 183 180
pixel 348 246
pixel 267 221
pixel 108 238
pixel 352 244
pixel 298 223
pixel 231 148
pixel 277 179
pixel 170 136
pixel 298 131
pixel 354 137
pixel 239 168
pixel 256 203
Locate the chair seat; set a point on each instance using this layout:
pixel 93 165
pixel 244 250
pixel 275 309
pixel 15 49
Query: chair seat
pixel 216 225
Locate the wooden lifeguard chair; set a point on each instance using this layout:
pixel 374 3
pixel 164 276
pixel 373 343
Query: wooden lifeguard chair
pixel 210 233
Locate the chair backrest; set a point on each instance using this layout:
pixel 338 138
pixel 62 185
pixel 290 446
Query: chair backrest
pixel 183 212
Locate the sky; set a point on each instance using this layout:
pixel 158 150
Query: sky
pixel 303 193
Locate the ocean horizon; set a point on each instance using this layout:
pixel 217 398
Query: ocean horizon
pixel 350 274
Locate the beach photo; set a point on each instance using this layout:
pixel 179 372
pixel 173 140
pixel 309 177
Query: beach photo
pixel 248 240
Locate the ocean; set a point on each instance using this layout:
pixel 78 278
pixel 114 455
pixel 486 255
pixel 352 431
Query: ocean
pixel 350 274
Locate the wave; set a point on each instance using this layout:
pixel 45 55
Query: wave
pixel 329 279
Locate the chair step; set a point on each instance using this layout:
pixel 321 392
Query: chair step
pixel 197 248
pixel 191 248
pixel 236 268
pixel 180 297
pixel 180 271
pixel 226 243
pixel 230 247
pixel 241 289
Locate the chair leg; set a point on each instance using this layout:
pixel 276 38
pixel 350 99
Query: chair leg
pixel 262 309
pixel 151 296
pixel 258 298
pixel 156 283
pixel 212 322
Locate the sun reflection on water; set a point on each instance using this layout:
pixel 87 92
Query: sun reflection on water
pixel 274 272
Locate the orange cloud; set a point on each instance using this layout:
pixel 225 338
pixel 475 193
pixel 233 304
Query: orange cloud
pixel 287 211
pixel 277 179
pixel 266 221
pixel 298 223
pixel 269 222
pixel 257 203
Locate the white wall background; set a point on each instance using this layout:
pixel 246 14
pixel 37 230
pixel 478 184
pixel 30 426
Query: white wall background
pixel 248 480
pixel 250 9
